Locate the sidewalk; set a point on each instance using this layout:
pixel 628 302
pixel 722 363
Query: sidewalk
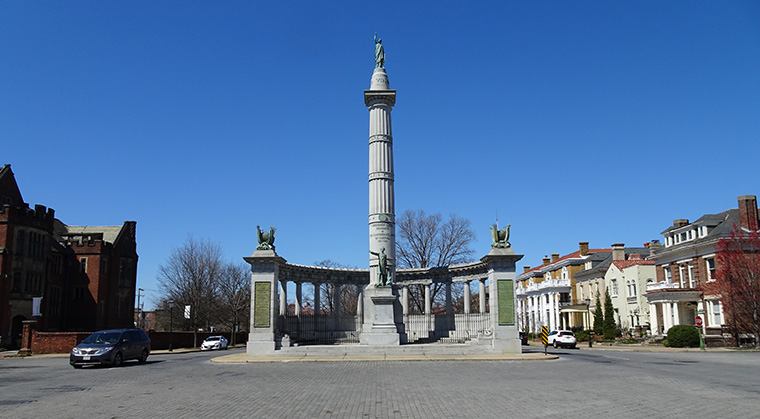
pixel 243 358
pixel 642 347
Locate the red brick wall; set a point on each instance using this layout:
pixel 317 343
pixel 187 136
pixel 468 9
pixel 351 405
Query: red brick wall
pixel 56 342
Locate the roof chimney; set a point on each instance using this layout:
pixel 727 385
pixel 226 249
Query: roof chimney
pixel 680 222
pixel 526 268
pixel 555 257
pixel 618 251
pixel 584 248
pixel 546 260
pixel 748 212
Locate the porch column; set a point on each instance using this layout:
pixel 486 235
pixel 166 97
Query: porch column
pixel 482 295
pixel 667 321
pixel 676 314
pixel 299 298
pixel 558 313
pixel 467 302
pixel 283 298
pixel 654 323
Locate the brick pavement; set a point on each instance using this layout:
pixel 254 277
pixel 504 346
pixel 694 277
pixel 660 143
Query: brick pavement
pixel 578 384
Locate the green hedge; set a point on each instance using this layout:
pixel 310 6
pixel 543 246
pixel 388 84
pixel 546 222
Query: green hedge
pixel 682 336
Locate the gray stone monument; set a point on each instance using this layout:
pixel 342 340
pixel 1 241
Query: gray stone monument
pixel 264 281
pixel 383 320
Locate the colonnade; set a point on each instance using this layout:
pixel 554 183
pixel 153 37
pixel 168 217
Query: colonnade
pixel 298 303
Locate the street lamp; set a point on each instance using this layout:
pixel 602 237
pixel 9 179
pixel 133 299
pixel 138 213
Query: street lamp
pixel 171 322
pixel 588 317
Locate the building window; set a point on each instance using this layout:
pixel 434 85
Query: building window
pixel 17 282
pixel 668 275
pixel 691 276
pixel 55 301
pixel 83 265
pixel 564 272
pixel 78 293
pixel 57 264
pixel 20 242
pixel 710 269
pixel 716 313
pixel 614 288
pixel 681 275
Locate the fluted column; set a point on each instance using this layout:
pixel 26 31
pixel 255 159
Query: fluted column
pixel 299 298
pixel 283 298
pixel 482 295
pixel 379 99
pixel 467 302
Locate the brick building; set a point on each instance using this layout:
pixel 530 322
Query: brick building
pixel 685 261
pixel 68 278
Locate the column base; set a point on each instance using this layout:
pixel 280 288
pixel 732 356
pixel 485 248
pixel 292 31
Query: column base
pixel 384 329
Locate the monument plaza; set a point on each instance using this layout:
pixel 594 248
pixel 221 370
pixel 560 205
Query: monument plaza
pixel 382 320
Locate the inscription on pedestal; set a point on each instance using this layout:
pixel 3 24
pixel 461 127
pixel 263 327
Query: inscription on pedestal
pixel 261 310
pixel 506 293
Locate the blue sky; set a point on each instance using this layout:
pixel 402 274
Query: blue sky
pixel 575 121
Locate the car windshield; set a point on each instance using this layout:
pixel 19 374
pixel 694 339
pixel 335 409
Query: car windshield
pixel 107 338
pixel 212 338
pixel 566 333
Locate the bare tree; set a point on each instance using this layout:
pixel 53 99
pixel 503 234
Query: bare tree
pixel 235 295
pixel 349 294
pixel 190 277
pixel 426 241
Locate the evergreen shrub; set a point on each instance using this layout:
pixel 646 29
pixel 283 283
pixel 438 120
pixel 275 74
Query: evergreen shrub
pixel 683 336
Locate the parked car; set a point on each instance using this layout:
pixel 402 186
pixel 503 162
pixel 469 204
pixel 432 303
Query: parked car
pixel 523 338
pixel 111 347
pixel 563 338
pixel 214 342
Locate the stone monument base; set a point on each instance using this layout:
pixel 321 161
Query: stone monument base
pixel 383 330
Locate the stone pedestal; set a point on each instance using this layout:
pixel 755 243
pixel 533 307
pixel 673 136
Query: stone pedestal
pixel 385 324
pixel 264 282
pixel 501 282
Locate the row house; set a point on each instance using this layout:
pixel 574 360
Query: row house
pixel 546 295
pixel 686 260
pixel 67 278
pixel 623 273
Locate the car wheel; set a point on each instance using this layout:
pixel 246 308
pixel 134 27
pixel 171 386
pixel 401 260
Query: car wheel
pixel 117 360
pixel 143 357
pixel 572 346
pixel 555 344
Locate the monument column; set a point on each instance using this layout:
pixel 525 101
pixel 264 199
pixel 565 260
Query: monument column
pixel 383 319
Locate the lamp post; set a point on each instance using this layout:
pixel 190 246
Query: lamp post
pixel 171 323
pixel 588 317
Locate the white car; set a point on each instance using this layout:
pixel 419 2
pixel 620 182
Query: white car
pixel 563 338
pixel 214 342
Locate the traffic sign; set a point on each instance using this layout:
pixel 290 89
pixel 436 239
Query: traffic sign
pixel 698 321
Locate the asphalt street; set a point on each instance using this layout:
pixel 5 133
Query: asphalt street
pixel 581 383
